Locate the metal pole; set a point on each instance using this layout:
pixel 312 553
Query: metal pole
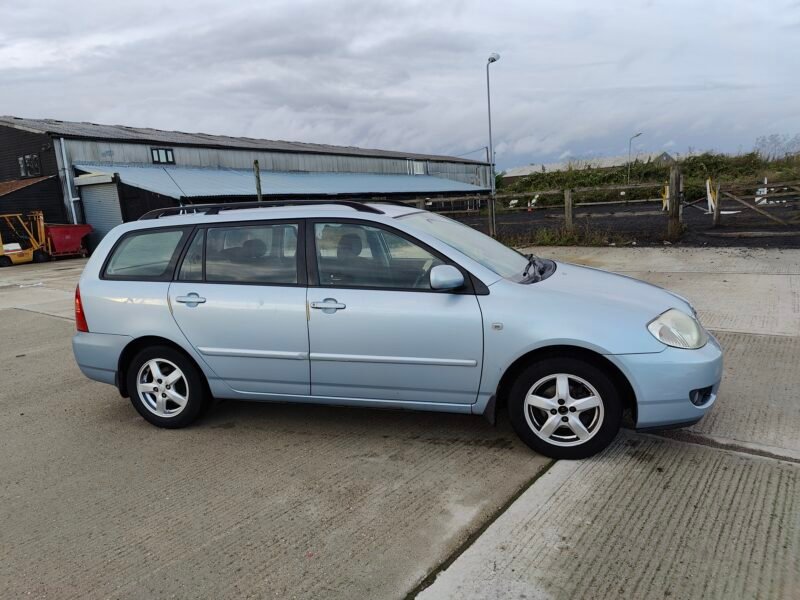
pixel 492 217
pixel 630 141
pixel 257 173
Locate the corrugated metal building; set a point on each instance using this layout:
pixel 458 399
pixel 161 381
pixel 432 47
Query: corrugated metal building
pixel 114 173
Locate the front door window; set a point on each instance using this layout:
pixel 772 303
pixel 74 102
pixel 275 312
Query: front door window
pixel 354 255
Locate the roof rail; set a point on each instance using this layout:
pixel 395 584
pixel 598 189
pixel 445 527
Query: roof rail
pixel 405 203
pixel 215 209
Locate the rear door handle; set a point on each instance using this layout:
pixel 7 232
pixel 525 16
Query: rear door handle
pixel 329 305
pixel 192 299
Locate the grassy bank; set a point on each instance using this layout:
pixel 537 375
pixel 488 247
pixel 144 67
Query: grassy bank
pixel 748 168
pixel 583 234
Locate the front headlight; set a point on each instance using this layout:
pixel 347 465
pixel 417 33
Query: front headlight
pixel 678 330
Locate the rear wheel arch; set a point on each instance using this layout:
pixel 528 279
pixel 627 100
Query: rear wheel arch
pixel 139 344
pixel 518 366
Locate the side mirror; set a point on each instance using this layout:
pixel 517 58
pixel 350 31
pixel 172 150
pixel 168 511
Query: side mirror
pixel 446 277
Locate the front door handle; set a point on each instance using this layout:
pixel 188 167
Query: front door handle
pixel 192 299
pixel 328 305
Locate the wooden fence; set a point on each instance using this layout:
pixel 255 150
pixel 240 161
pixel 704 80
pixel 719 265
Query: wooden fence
pixel 759 198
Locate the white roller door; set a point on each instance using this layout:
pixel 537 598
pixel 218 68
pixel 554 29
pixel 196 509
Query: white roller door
pixel 101 210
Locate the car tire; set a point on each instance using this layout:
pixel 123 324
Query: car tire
pixel 40 256
pixel 5 261
pixel 166 387
pixel 565 408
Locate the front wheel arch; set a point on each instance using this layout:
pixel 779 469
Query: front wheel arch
pixel 510 375
pixel 139 344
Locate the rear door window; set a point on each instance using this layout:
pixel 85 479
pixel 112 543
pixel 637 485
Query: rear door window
pixel 255 254
pixel 146 255
pixel 192 266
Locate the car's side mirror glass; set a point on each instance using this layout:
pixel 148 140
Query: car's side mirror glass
pixel 446 277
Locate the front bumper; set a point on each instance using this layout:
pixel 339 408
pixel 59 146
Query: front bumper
pixel 97 354
pixel 663 381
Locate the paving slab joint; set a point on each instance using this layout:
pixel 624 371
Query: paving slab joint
pixel 431 577
pixel 750 449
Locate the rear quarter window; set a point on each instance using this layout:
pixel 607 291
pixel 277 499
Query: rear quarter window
pixel 145 255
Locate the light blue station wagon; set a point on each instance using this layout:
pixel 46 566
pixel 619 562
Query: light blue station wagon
pixel 382 305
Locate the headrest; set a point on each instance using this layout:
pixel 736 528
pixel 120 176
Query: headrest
pixel 349 246
pixel 254 248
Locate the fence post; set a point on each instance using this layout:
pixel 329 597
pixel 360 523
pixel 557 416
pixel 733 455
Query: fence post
pixel 568 224
pixel 717 206
pixel 257 174
pixel 674 225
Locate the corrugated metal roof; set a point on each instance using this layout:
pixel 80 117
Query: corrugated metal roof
pixel 123 133
pixel 6 187
pixel 189 182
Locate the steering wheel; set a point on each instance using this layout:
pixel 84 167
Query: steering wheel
pixel 425 270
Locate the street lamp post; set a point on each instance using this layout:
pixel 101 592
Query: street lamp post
pixel 493 57
pixel 630 141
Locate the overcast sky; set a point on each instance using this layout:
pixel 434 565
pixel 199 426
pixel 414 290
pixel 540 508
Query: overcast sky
pixel 576 78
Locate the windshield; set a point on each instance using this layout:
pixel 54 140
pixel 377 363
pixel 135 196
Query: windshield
pixel 479 247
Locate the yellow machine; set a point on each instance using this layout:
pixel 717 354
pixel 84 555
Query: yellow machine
pixel 29 234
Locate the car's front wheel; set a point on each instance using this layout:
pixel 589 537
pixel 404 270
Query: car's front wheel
pixel 565 407
pixel 165 387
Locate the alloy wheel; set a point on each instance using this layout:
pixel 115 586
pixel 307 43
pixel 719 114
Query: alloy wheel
pixel 564 409
pixel 162 387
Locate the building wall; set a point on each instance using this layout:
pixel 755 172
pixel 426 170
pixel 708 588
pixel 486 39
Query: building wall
pixel 465 172
pixel 91 151
pixel 15 143
pixel 44 196
pixel 135 201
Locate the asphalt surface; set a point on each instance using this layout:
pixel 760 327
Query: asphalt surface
pixel 304 502
pixel 645 224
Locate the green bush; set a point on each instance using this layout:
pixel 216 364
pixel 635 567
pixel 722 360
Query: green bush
pixel 748 168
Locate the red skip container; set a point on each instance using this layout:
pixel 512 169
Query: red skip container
pixel 64 240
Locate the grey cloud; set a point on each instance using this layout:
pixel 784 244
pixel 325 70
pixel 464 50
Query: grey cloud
pixel 575 77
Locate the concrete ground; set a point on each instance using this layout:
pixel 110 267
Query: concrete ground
pixel 648 518
pixel 301 502
pixel 256 501
pixel 708 512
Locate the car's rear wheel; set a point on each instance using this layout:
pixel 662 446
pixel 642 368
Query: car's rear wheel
pixel 166 387
pixel 565 407
pixel 5 261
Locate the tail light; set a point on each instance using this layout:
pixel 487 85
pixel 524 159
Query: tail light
pixel 80 317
